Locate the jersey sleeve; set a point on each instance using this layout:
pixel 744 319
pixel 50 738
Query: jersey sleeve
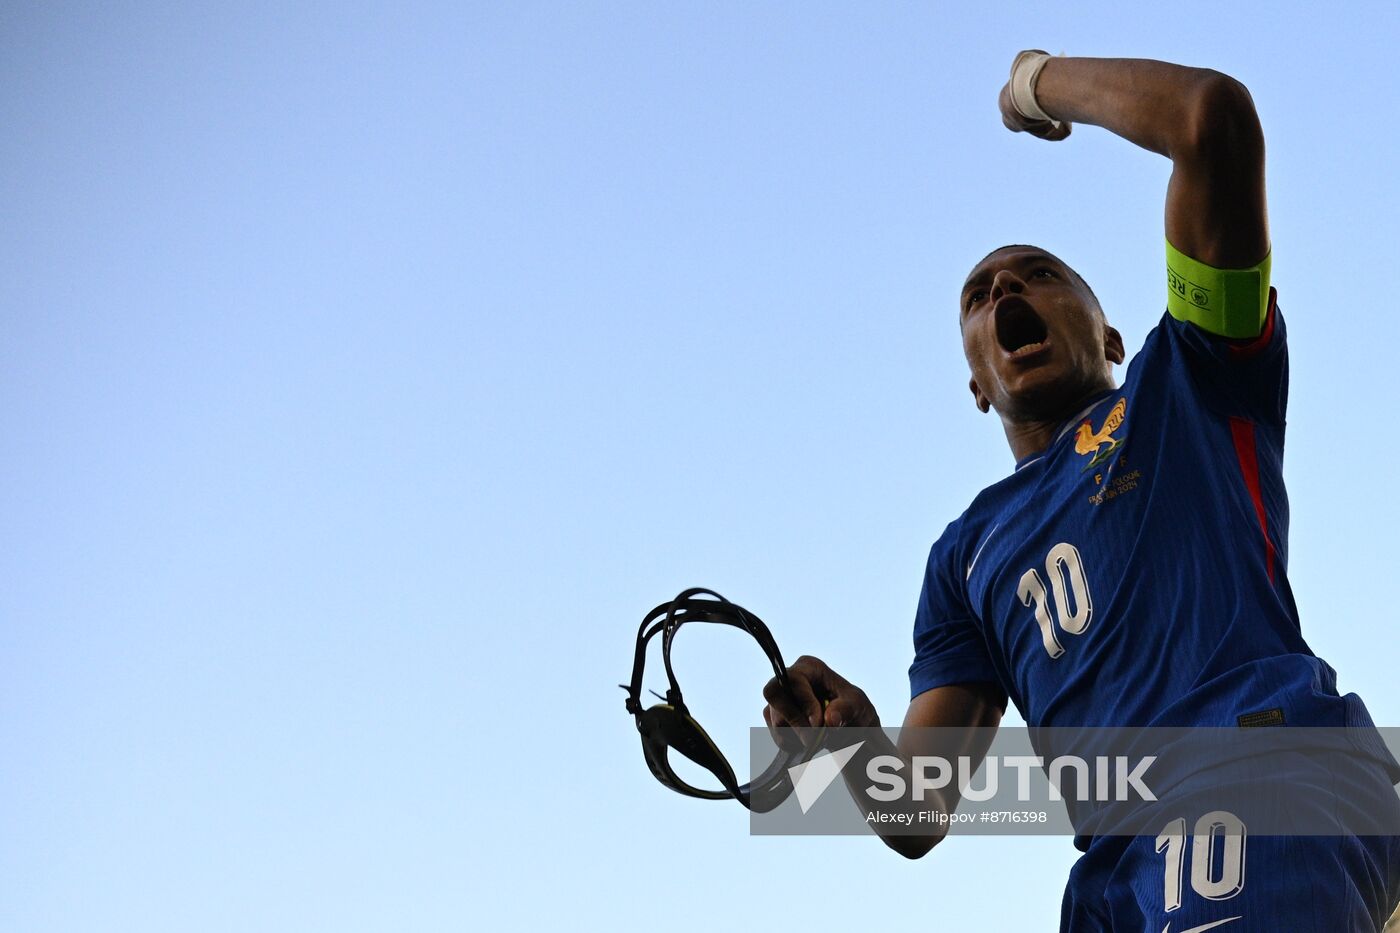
pixel 1224 325
pixel 1237 377
pixel 949 647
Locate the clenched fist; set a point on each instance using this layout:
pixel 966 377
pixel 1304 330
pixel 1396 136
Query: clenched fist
pixel 815 695
pixel 1013 118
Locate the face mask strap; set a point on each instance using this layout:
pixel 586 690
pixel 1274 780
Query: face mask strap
pixel 670 725
pixel 639 660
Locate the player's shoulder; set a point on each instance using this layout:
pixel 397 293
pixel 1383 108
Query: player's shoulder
pixel 988 509
pixel 1236 377
pixel 1174 335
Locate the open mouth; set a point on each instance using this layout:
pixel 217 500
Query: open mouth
pixel 1020 331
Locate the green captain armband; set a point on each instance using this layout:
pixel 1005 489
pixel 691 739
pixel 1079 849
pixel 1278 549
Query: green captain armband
pixel 1225 302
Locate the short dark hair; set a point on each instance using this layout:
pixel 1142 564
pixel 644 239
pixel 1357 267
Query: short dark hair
pixel 1074 272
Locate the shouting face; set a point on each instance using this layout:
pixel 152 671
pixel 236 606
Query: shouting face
pixel 1034 335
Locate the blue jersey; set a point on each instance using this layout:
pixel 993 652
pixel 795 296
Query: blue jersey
pixel 1134 573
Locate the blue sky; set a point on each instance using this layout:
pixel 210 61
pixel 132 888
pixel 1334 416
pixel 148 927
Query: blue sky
pixel 366 371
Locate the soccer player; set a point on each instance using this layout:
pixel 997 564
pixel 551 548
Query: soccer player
pixel 1132 569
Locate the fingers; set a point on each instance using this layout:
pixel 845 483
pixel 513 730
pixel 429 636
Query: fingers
pixel 782 732
pixel 788 704
pixel 1010 117
pixel 841 711
pixel 814 695
pixel 799 703
pixel 791 710
pixel 1047 130
pixel 1040 129
pixel 796 702
pixel 1014 121
pixel 811 682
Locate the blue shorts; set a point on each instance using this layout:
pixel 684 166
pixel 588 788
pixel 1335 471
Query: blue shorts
pixel 1271 884
pixel 1206 871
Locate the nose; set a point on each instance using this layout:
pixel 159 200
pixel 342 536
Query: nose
pixel 1006 282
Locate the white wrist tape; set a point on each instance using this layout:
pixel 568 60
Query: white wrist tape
pixel 1025 70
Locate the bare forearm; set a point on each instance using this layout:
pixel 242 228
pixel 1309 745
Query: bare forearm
pixel 1204 121
pixel 1169 109
pixel 894 820
pixel 944 724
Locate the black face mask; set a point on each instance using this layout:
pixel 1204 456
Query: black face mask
pixel 668 724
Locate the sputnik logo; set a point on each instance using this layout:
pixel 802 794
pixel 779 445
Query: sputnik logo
pixel 811 778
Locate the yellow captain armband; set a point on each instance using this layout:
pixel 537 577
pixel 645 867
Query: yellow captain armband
pixel 1225 302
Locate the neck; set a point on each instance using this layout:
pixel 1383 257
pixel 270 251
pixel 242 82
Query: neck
pixel 1028 436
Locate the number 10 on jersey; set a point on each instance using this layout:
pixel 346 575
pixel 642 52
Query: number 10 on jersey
pixel 1069 589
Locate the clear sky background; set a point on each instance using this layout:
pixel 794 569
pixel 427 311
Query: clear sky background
pixel 366 372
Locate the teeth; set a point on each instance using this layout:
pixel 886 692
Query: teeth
pixel 1030 346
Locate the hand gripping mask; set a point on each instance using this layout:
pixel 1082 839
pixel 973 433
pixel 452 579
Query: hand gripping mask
pixel 668 725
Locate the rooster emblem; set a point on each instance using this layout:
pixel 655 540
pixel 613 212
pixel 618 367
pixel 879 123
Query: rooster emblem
pixel 1089 441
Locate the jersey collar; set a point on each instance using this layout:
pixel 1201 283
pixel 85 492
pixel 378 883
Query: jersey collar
pixel 1065 428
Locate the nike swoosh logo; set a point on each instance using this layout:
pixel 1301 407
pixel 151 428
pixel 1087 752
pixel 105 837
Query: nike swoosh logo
pixel 1204 926
pixel 979 550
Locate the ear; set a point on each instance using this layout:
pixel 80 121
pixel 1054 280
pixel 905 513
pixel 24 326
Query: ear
pixel 1113 345
pixel 983 405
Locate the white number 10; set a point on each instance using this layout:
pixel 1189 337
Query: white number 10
pixel 1213 878
pixel 1066 572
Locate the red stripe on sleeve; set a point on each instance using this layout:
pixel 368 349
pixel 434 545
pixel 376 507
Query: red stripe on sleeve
pixel 1254 345
pixel 1242 433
